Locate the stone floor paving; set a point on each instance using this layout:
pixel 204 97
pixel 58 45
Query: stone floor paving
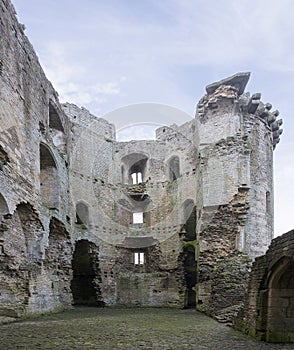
pixel 131 329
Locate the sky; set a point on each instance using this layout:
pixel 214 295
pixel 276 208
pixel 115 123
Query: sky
pixel 108 54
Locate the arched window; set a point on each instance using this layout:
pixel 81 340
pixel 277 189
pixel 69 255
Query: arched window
pixel 134 166
pixel 174 168
pixel 56 127
pixel 82 214
pixel 49 184
pixel 136 172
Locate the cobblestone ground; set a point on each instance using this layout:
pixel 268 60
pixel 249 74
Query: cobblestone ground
pixel 93 328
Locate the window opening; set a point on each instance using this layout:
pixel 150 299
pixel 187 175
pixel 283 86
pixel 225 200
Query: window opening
pixel 268 202
pixel 136 178
pixel 137 218
pixel 139 258
pixel 134 168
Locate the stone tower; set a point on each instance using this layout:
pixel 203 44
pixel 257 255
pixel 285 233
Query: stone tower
pixel 237 134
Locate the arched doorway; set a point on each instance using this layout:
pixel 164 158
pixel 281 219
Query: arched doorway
pixel 280 306
pixel 85 280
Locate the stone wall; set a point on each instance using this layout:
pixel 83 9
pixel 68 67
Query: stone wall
pixel 100 174
pixel 173 221
pixel 34 135
pixel 268 312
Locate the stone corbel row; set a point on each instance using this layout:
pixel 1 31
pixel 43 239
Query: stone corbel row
pixel 263 111
pixel 273 122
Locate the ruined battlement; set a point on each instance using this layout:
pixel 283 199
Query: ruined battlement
pixel 228 97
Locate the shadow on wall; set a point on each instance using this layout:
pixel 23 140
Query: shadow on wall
pixel 86 275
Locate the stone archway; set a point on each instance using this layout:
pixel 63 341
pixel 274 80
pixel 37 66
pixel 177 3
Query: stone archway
pixel 280 306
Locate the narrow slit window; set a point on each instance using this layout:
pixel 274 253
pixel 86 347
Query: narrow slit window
pixel 139 258
pixel 137 218
pixel 134 178
pixel 268 202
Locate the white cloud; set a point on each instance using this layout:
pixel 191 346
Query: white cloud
pixel 148 41
pixel 70 78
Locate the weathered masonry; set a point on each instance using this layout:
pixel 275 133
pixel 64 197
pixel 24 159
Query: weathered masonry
pixel 85 219
pixel 268 312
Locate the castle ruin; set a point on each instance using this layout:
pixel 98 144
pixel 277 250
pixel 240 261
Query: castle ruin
pixel 86 219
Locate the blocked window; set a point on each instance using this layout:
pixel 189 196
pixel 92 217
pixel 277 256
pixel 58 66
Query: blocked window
pixel 82 214
pixel 174 168
pixel 138 218
pixel 139 258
